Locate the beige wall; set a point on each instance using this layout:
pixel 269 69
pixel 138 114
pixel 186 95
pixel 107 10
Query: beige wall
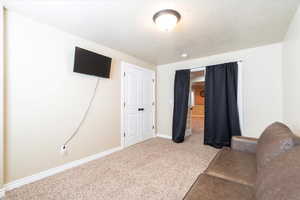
pixel 291 74
pixel 262 87
pixel 1 98
pixel 46 100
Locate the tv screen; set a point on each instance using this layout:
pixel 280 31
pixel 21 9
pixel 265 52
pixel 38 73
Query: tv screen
pixel 87 62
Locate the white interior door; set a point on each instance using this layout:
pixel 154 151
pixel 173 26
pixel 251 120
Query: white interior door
pixel 138 110
pixel 148 104
pixel 132 115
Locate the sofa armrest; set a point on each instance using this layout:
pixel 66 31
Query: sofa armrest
pixel 297 139
pixel 244 144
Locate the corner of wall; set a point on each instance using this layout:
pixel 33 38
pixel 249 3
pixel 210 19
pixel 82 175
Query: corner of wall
pixel 1 98
pixel 291 72
pixel 22 31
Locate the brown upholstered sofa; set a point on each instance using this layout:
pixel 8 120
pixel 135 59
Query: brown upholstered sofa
pixel 267 168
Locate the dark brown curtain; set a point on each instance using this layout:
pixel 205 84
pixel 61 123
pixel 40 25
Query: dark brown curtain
pixel 181 101
pixel 221 109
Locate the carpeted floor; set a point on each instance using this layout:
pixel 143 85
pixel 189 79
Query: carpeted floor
pixel 154 169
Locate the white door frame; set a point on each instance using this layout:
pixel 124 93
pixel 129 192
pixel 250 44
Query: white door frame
pixel 2 192
pixel 123 65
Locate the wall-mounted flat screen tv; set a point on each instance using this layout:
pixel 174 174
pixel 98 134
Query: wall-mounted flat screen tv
pixel 87 62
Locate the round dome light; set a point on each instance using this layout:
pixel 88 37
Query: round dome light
pixel 166 19
pixel 184 55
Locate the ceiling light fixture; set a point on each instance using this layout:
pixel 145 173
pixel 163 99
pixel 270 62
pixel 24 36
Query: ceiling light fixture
pixel 184 55
pixel 166 19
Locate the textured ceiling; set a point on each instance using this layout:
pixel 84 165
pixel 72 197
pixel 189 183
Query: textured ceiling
pixel 207 27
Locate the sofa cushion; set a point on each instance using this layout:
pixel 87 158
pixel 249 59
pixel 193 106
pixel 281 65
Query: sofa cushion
pixel 209 187
pixel 235 166
pixel 276 139
pixel 280 179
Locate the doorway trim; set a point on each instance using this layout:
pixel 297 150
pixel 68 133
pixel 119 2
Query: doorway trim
pixel 123 65
pixel 2 100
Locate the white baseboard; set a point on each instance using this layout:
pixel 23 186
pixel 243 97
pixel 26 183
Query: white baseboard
pixel 53 171
pixel 2 193
pixel 164 136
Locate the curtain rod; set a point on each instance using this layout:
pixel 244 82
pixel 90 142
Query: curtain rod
pixel 213 64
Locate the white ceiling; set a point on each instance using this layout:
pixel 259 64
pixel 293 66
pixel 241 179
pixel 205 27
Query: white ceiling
pixel 207 27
